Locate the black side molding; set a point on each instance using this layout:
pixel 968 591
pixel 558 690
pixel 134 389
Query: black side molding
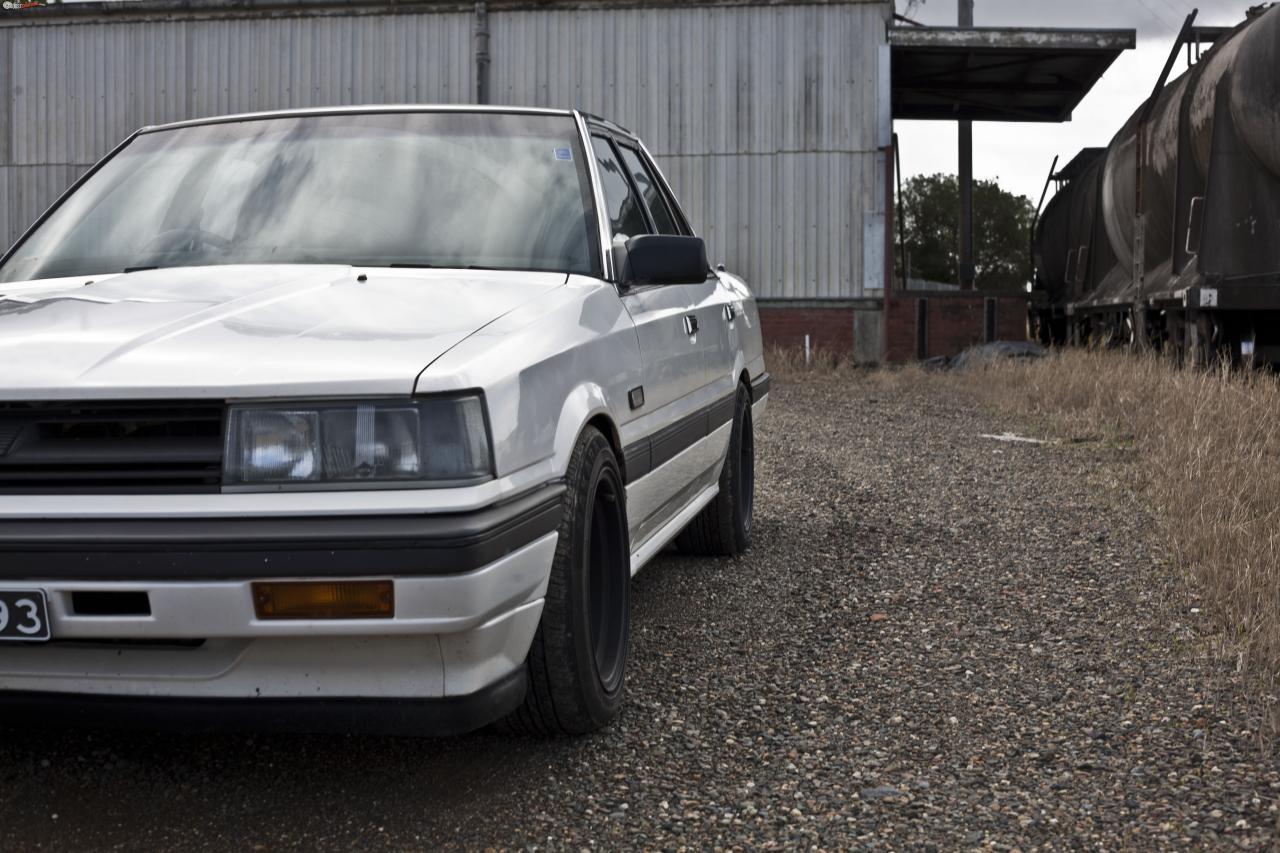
pixel 721 413
pixel 659 448
pixel 637 459
pixel 668 442
pixel 760 386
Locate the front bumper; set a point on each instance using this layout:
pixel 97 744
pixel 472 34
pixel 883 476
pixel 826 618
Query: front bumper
pixel 221 548
pixel 469 592
pixel 442 716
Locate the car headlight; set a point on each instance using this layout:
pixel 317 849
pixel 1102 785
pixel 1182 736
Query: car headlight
pixel 358 444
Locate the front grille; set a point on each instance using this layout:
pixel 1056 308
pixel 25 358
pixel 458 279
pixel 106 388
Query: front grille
pixel 110 448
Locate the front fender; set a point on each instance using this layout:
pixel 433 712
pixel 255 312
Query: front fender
pixel 546 370
pixel 584 402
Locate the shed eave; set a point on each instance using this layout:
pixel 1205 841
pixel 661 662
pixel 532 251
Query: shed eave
pixel 998 73
pixel 1012 38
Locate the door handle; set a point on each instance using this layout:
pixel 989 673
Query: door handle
pixel 729 312
pixel 690 325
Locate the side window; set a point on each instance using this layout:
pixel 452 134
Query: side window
pixel 625 214
pixel 663 219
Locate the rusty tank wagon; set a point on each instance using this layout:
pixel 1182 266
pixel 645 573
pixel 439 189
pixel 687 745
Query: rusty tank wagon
pixel 1170 236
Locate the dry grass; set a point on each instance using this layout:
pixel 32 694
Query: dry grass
pixel 789 363
pixel 1208 446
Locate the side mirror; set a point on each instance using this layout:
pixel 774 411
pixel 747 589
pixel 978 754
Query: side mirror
pixel 664 259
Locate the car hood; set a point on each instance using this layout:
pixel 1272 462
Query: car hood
pixel 245 331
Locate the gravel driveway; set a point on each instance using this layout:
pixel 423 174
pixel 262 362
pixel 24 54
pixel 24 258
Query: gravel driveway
pixel 937 640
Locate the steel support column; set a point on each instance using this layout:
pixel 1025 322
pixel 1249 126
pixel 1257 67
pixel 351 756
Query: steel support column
pixel 968 273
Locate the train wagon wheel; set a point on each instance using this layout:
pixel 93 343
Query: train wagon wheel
pixel 1204 340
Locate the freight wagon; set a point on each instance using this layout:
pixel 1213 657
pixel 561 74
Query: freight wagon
pixel 1170 236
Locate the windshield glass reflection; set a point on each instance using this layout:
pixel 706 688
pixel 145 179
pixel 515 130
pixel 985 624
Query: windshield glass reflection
pixel 453 190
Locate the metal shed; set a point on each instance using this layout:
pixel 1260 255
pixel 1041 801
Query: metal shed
pixel 769 117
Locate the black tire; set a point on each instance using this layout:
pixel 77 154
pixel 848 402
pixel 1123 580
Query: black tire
pixel 723 528
pixel 577 663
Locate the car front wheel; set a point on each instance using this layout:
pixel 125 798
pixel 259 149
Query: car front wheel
pixel 577 662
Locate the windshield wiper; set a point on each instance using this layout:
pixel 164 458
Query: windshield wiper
pixel 477 267
pixel 517 269
pixel 139 269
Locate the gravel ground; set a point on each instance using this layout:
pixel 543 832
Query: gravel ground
pixel 937 641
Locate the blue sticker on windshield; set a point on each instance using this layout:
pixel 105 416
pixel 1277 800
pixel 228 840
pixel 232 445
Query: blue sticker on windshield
pixel 564 154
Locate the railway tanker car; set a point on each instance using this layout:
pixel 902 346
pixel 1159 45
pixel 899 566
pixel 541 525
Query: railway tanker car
pixel 1170 236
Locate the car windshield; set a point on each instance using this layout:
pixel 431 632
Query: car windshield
pixel 437 189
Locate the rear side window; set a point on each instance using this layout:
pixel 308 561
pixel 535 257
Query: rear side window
pixel 663 219
pixel 625 214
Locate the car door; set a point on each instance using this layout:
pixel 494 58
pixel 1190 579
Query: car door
pixel 716 326
pixel 672 368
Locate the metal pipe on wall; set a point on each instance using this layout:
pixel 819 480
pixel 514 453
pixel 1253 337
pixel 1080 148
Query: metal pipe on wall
pixel 482 52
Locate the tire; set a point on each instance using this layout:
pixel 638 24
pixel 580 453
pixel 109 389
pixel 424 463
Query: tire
pixel 723 528
pixel 577 662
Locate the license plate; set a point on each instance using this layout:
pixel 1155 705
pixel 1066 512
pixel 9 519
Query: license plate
pixel 24 616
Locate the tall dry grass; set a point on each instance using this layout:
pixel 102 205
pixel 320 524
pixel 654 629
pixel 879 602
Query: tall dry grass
pixel 1208 445
pixel 789 362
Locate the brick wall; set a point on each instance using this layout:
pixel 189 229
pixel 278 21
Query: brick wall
pixel 900 330
pixel 829 329
pixel 955 321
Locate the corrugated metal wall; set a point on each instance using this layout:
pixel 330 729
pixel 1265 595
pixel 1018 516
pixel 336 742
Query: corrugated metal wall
pixel 766 119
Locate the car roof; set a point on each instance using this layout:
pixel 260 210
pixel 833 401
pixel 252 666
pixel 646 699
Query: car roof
pixel 363 109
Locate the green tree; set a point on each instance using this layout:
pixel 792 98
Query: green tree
pixel 1001 232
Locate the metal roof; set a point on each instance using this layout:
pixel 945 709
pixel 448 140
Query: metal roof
pixel 782 101
pixel 998 74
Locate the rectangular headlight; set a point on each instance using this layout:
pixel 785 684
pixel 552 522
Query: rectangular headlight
pixel 432 441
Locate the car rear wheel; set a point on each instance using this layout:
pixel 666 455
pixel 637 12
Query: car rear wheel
pixel 577 662
pixel 723 528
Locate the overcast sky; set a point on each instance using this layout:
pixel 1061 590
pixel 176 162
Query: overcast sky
pixel 1019 155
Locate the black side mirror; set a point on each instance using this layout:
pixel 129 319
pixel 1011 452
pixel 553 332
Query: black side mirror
pixel 664 259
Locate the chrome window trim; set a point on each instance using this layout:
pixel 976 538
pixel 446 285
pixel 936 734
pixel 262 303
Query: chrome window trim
pixel 615 148
pixel 597 192
pixel 672 198
pixel 370 109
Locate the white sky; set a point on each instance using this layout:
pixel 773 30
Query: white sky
pixel 1019 155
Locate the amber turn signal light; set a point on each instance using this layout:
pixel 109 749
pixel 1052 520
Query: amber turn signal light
pixel 324 600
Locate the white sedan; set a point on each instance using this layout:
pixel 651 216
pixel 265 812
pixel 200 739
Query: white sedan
pixel 361 418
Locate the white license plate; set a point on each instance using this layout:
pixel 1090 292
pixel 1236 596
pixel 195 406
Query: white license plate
pixel 24 616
